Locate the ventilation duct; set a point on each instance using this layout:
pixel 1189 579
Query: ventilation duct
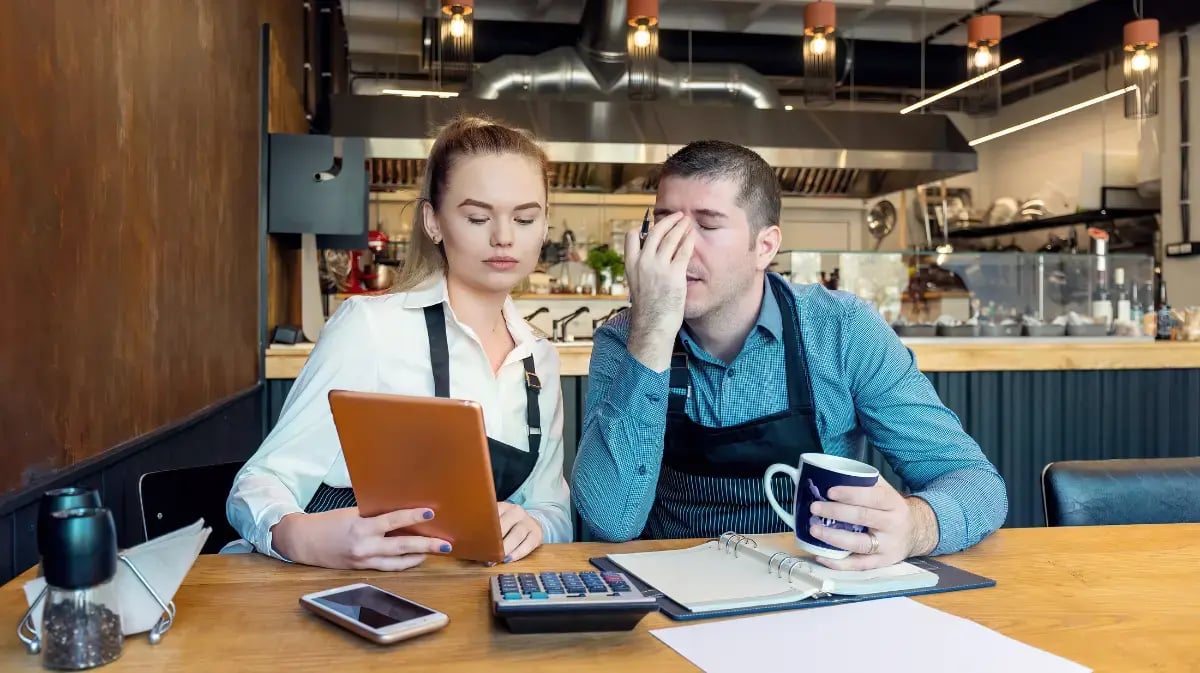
pixel 595 69
pixel 575 100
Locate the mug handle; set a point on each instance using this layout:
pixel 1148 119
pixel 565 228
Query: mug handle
pixel 791 472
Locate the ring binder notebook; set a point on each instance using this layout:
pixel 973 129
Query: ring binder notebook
pixel 738 574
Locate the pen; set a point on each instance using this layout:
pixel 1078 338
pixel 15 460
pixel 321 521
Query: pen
pixel 645 228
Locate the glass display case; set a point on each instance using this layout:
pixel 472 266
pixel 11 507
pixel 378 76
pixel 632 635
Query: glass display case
pixel 990 294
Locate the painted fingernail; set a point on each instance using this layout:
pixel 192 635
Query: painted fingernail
pixel 428 514
pixel 445 548
pixel 508 559
pixel 490 564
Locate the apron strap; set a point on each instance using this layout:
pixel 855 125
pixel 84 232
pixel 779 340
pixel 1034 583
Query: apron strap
pixel 439 360
pixel 533 414
pixel 799 395
pixel 680 382
pixel 439 352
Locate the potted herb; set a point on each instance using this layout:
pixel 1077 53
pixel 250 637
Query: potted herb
pixel 608 264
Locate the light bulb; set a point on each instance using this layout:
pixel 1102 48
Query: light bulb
pixel 1140 60
pixel 641 38
pixel 983 57
pixel 458 27
pixel 818 44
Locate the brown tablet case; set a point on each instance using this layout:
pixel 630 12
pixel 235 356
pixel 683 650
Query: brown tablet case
pixel 406 452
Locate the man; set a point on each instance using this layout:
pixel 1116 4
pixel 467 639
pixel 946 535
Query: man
pixel 720 369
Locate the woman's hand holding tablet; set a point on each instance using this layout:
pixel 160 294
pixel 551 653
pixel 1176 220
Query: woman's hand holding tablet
pixel 343 539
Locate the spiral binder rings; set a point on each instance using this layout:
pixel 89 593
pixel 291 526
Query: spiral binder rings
pixel 738 574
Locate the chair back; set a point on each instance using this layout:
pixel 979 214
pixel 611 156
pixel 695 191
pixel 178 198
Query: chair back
pixel 172 499
pixel 1122 491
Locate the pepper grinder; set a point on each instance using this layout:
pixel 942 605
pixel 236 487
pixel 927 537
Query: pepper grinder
pixel 59 499
pixel 81 622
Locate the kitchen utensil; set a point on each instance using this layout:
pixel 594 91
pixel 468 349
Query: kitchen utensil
pixel 881 220
pixel 1002 211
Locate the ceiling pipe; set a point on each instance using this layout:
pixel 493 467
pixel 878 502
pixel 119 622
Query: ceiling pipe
pixel 595 69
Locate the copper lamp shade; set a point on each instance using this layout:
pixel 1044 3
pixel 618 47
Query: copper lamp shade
pixel 642 43
pixel 456 36
pixel 1141 68
pixel 820 53
pixel 983 55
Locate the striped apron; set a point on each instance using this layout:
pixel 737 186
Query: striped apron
pixel 711 478
pixel 510 465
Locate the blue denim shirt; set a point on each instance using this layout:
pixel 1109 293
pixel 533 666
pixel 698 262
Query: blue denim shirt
pixel 864 382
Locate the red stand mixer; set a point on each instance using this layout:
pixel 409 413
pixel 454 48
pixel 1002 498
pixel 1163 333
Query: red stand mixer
pixel 359 280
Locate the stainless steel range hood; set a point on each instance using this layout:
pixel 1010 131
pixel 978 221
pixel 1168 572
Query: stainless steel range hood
pixel 615 146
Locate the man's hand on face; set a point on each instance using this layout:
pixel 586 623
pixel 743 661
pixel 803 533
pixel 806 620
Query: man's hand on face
pixel 656 270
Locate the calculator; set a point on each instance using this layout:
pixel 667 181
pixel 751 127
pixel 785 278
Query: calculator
pixel 568 601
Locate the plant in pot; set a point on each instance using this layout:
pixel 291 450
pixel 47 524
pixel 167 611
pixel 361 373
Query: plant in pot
pixel 608 265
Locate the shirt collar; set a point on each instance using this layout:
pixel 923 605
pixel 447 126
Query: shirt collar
pixel 770 318
pixel 429 292
pixel 434 291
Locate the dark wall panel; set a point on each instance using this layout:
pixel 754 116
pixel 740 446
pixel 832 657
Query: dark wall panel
pixel 128 207
pixel 229 431
pixel 7 548
pixel 1024 420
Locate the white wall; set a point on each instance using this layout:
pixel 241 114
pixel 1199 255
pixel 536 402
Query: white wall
pixel 1182 274
pixel 1064 159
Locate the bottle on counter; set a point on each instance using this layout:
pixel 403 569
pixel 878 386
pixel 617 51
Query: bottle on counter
pixel 1164 321
pixel 1102 308
pixel 1136 312
pixel 1124 307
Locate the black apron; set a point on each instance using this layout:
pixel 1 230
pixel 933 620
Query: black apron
pixel 510 465
pixel 711 480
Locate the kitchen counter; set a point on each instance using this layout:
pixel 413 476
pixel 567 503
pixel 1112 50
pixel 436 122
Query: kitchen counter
pixel 938 354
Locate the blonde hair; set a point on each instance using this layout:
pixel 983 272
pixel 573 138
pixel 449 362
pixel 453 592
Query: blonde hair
pixel 462 136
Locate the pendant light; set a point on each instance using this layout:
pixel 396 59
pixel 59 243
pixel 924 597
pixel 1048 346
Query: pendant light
pixel 642 42
pixel 457 34
pixel 1141 66
pixel 820 53
pixel 983 56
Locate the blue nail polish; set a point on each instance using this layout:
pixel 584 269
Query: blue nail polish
pixel 508 559
pixel 445 548
pixel 428 514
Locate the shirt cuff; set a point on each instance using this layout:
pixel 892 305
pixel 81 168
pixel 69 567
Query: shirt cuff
pixel 639 393
pixel 271 515
pixel 551 534
pixel 951 521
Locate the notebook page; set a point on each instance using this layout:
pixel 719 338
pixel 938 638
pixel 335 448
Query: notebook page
pixel 896 635
pixel 705 578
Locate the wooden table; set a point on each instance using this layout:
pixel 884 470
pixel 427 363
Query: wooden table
pixel 1113 598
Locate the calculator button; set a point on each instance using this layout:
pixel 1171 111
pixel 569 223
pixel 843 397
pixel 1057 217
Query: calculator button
pixel 539 594
pixel 554 590
pixel 513 596
pixel 619 586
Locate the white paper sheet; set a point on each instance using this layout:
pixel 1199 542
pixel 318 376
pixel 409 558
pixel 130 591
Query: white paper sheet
pixel 897 635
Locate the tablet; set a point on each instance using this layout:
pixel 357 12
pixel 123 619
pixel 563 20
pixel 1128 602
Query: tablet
pixel 406 452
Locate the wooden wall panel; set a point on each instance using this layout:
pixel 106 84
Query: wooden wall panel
pixel 128 207
pixel 285 115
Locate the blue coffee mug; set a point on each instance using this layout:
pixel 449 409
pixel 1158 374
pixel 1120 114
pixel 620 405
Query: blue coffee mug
pixel 819 472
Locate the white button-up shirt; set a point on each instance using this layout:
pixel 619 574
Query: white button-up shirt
pixel 379 344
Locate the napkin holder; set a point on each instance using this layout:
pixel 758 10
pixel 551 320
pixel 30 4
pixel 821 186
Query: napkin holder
pixel 148 575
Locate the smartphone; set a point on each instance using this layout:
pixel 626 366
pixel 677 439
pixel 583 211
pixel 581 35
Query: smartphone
pixel 377 615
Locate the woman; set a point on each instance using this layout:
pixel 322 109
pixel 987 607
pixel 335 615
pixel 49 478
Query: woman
pixel 477 232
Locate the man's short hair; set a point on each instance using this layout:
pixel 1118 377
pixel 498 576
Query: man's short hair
pixel 758 187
